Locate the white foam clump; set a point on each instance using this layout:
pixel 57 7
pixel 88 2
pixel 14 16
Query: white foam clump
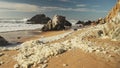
pixel 53 38
pixel 4 27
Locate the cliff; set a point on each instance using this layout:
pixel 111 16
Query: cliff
pixel 114 11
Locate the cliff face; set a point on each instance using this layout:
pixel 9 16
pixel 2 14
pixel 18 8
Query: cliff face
pixel 115 10
pixel 112 26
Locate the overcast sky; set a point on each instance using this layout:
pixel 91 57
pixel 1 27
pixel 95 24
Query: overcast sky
pixel 72 9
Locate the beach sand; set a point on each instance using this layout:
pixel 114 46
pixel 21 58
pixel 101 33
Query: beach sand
pixel 75 58
pixel 27 35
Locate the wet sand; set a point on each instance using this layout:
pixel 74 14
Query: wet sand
pixel 22 36
pixel 15 36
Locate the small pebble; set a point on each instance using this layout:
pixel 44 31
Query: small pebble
pixel 16 66
pixel 65 65
pixel 44 66
pixel 45 61
pixel 1 54
pixel 1 62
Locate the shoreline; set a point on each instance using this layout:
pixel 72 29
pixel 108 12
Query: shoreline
pixel 21 36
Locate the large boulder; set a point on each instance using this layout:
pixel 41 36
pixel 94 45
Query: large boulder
pixel 3 41
pixel 57 23
pixel 39 19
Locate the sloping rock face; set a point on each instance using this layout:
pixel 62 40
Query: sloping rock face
pixel 115 10
pixel 3 41
pixel 112 29
pixel 39 19
pixel 57 23
pixel 112 25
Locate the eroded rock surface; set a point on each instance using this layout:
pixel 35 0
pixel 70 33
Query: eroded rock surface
pixel 57 23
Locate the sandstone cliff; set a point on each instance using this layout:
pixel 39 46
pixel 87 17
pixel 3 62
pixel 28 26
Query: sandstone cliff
pixel 114 11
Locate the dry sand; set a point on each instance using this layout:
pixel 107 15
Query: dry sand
pixel 78 59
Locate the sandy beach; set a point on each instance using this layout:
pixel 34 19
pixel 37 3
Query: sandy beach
pixel 75 58
pixel 26 35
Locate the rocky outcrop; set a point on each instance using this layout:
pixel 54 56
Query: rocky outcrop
pixel 100 21
pixel 80 22
pixel 112 25
pixel 112 29
pixel 88 23
pixel 3 41
pixel 57 23
pixel 39 19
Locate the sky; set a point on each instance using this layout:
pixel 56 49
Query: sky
pixel 72 9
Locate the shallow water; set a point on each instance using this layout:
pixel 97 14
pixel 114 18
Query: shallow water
pixel 4 27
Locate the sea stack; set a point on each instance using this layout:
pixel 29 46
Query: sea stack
pixel 39 19
pixel 57 23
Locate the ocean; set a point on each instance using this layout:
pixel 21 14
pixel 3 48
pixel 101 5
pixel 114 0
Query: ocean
pixel 12 24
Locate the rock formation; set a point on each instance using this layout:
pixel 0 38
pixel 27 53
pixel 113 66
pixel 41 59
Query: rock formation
pixel 3 41
pixel 112 25
pixel 88 22
pixel 115 10
pixel 57 23
pixel 80 22
pixel 100 21
pixel 39 19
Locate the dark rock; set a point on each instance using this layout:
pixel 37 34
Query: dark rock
pixel 88 23
pixel 80 22
pixel 3 41
pixel 57 23
pixel 39 19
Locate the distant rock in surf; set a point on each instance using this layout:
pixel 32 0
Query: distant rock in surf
pixel 39 19
pixel 57 23
pixel 80 22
